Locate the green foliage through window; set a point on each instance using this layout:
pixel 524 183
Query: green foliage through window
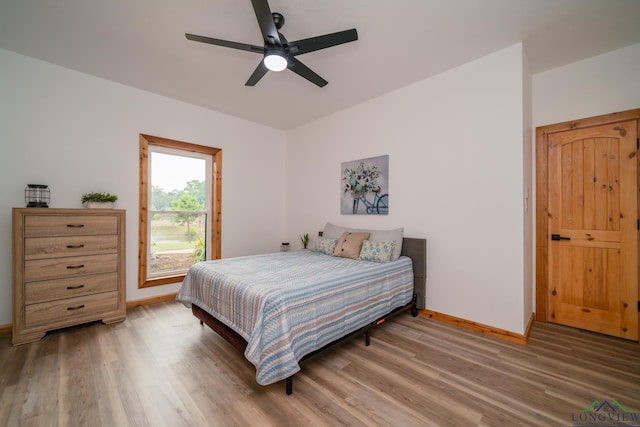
pixel 186 202
pixel 177 227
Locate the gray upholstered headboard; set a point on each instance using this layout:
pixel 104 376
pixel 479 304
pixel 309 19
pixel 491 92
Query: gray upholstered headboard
pixel 416 249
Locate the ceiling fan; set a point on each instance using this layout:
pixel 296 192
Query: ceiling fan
pixel 278 53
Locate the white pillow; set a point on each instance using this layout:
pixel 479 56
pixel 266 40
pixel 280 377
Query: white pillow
pixel 332 231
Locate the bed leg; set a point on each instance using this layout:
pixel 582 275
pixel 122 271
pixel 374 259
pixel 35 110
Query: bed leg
pixel 414 305
pixel 201 323
pixel 289 385
pixel 367 338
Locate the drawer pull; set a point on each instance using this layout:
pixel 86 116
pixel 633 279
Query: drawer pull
pixel 75 246
pixel 75 225
pixel 75 287
pixel 75 266
pixel 78 307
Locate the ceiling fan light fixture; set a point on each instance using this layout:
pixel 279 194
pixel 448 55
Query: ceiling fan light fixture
pixel 275 61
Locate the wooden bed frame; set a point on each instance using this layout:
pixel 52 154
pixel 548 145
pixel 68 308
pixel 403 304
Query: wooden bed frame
pixel 416 249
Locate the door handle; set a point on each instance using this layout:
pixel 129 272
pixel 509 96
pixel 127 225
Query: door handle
pixel 559 237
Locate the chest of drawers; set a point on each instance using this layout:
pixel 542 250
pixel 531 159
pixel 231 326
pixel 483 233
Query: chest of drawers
pixel 68 269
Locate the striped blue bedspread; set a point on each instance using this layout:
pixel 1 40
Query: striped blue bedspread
pixel 288 304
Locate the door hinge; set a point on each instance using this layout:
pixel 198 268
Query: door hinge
pixel 638 306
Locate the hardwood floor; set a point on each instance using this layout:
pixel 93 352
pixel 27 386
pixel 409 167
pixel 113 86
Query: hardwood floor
pixel 161 368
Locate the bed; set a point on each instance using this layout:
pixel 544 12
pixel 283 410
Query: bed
pixel 281 308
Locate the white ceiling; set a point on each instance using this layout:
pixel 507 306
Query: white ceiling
pixel 141 43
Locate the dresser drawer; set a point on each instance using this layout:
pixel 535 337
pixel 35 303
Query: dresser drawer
pixel 50 247
pixel 61 312
pixel 54 268
pixel 49 290
pixel 69 225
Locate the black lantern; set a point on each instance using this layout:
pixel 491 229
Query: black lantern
pixel 37 196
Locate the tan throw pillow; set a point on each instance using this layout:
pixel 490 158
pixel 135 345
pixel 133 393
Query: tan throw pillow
pixel 350 244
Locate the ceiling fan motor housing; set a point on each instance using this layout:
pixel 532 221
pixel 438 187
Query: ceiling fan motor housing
pixel 278 19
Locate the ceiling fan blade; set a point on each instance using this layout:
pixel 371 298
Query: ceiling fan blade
pixel 321 42
pixel 226 43
pixel 266 23
pixel 258 73
pixel 303 71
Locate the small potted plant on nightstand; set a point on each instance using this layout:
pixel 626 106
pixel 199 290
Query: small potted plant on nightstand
pixel 305 240
pixel 99 200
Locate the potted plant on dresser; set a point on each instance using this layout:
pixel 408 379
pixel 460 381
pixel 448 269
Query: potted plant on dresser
pixel 99 200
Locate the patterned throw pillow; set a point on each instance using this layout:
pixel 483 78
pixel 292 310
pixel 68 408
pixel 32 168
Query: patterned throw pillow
pixel 326 245
pixel 376 251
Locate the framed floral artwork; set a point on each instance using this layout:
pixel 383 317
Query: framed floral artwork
pixel 365 186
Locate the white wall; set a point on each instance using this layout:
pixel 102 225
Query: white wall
pixel 78 133
pixel 458 163
pixel 455 146
pixel 529 190
pixel 600 85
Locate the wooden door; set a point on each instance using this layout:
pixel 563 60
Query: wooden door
pixel 592 228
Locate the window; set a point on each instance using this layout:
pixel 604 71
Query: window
pixel 180 186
